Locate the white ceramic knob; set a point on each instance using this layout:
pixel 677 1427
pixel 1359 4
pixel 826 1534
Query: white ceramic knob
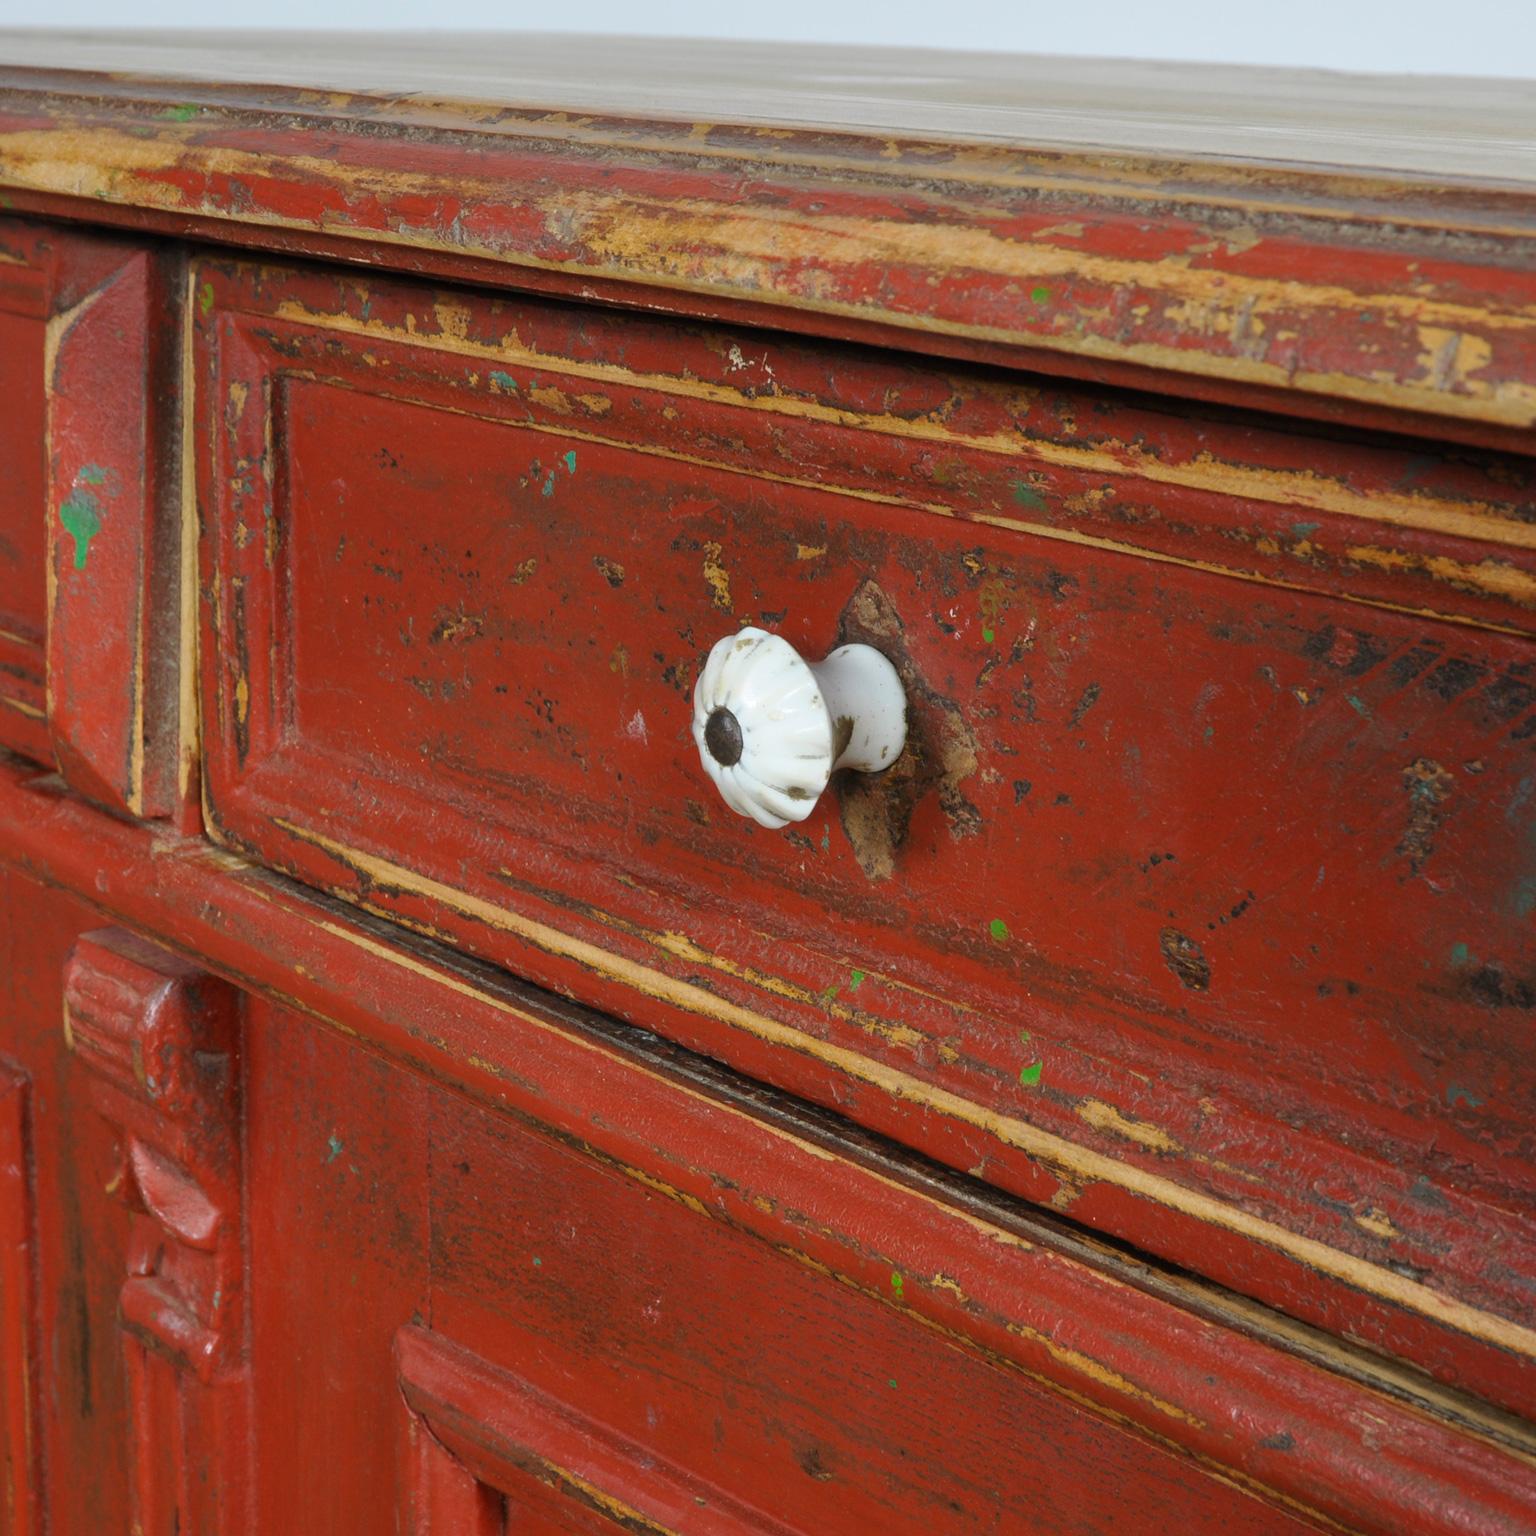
pixel 772 728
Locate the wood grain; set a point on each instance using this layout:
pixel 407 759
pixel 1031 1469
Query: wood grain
pixel 1360 291
pixel 1482 131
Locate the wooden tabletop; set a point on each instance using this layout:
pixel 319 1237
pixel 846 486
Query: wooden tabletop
pixel 1359 248
pixel 1417 125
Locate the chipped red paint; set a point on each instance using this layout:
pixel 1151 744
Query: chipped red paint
pixel 1152 267
pixel 1146 804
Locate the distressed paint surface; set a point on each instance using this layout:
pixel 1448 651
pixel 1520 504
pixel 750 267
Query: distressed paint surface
pixel 79 1390
pixel 1142 804
pixel 1346 294
pixel 528 1176
pixel 159 1042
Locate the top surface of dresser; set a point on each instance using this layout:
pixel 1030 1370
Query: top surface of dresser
pixel 1336 246
pixel 1474 130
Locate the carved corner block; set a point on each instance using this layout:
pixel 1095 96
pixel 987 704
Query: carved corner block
pixel 114 512
pixel 162 1042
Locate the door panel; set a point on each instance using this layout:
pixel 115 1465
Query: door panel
pixel 650 1282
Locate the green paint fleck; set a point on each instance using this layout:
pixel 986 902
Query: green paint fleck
pixel 205 299
pixel 1460 954
pixel 549 484
pixel 1359 706
pixel 1027 496
pixel 538 1263
pixel 1454 1093
pixel 335 1143
pixel 855 977
pixel 81 517
pixel 181 114
pixel 898 1285
pixel 891 1381
pixel 503 381
pixel 1304 530
pixel 998 929
pixel 1030 1076
pixel 830 995
pixel 1039 295
pixel 92 474
pixel 570 462
pixel 989 635
pixel 826 836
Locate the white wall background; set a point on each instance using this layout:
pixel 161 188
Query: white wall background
pixel 1473 37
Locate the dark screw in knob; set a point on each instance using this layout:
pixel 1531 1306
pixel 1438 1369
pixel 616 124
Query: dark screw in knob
pixel 722 735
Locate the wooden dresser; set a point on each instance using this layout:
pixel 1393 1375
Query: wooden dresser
pixel 500 1037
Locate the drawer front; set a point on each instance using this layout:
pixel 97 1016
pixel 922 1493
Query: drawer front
pixel 90 626
pixel 1198 906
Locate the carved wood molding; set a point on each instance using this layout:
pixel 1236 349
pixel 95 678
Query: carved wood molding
pixel 161 1039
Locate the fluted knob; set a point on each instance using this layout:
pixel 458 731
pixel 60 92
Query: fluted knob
pixel 772 728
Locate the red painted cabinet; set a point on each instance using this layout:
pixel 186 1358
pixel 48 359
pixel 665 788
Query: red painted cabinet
pixel 427 1107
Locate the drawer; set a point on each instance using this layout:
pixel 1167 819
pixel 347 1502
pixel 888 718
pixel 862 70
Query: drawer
pixel 1199 905
pixel 90 624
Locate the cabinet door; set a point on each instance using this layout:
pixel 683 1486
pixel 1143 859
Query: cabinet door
pixel 464 1325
